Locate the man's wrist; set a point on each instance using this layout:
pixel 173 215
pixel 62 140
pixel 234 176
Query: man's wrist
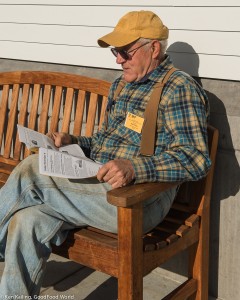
pixel 74 139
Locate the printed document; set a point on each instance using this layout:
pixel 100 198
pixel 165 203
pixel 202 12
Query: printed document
pixel 67 161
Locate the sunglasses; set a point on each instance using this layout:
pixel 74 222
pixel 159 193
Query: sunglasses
pixel 126 54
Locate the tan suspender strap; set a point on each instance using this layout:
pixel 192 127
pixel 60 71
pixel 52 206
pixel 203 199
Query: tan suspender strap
pixel 120 86
pixel 150 116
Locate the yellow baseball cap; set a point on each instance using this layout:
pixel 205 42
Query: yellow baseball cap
pixel 135 25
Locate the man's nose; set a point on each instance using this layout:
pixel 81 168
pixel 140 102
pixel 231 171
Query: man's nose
pixel 120 59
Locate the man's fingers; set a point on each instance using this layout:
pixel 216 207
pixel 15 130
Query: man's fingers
pixel 56 137
pixel 60 138
pixel 102 172
pixel 117 173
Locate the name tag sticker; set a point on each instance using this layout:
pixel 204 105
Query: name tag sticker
pixel 134 122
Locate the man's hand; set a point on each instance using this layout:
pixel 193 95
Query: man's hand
pixel 117 173
pixel 60 138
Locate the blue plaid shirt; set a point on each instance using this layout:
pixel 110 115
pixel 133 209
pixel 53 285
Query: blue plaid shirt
pixel 181 151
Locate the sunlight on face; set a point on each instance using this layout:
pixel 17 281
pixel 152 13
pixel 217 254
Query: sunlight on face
pixel 138 65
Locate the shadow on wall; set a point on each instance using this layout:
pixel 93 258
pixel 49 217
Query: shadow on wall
pixel 184 58
pixel 225 184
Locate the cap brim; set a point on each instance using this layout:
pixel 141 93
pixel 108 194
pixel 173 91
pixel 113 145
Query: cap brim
pixel 116 39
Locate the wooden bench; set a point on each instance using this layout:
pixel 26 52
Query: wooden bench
pixel 48 101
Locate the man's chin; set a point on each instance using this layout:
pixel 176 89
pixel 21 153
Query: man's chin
pixel 128 78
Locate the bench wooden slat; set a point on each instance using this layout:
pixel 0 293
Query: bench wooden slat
pixel 151 239
pixel 91 116
pixel 192 220
pixel 183 207
pixel 34 107
pixel 3 111
pixel 6 168
pixel 42 127
pixel 167 226
pixel 9 161
pixel 3 179
pixel 78 124
pixel 151 243
pixel 56 109
pixel 24 104
pixel 162 255
pixel 84 83
pixel 182 230
pixel 176 216
pixel 11 121
pixel 158 239
pixel 67 110
pixel 172 238
pixel 162 235
pixel 21 119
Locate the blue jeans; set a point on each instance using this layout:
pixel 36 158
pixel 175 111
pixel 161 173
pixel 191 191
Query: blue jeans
pixel 37 210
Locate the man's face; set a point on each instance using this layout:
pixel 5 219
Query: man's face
pixel 139 61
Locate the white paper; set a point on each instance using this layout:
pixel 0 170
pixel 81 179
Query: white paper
pixel 60 164
pixel 34 139
pixel 67 161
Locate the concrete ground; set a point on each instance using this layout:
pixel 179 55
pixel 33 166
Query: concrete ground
pixel 68 280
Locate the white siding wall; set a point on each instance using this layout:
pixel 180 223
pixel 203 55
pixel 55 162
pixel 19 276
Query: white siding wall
pixel 204 35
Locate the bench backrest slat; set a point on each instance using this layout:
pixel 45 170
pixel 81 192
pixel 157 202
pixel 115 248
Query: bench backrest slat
pixel 11 121
pixel 22 118
pixel 67 110
pixel 79 113
pixel 56 108
pixel 3 111
pixel 43 118
pixel 91 115
pixel 34 107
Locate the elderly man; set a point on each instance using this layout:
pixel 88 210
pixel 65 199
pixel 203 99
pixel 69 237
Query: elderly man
pixel 37 210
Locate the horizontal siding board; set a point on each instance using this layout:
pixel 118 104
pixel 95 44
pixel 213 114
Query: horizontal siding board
pixel 188 18
pixel 221 67
pixel 206 42
pixel 208 66
pixel 209 42
pixel 52 34
pixel 126 2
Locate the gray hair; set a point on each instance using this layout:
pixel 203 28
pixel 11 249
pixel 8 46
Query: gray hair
pixel 163 43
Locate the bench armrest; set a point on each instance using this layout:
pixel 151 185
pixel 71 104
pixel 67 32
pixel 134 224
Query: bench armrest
pixel 134 194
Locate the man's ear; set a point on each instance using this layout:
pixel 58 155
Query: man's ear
pixel 156 48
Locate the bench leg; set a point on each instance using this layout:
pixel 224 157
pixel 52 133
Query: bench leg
pixel 199 261
pixel 130 279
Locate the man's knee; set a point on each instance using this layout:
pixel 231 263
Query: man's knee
pixel 32 223
pixel 26 171
pixel 25 221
